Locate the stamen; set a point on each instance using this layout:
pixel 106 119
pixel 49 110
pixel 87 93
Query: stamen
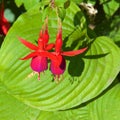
pixel 57 78
pixel 39 76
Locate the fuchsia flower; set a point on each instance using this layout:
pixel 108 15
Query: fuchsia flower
pixel 40 54
pixel 4 24
pixel 58 68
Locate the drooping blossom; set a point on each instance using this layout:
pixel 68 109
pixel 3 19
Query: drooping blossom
pixel 4 24
pixel 40 53
pixel 59 68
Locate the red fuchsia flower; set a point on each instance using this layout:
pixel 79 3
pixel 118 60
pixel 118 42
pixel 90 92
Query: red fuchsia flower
pixel 39 55
pixel 58 68
pixel 4 24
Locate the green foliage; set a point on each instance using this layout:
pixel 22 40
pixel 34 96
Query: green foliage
pixel 88 89
pixel 110 7
pixel 11 108
pixel 115 30
pixel 27 3
pixel 107 106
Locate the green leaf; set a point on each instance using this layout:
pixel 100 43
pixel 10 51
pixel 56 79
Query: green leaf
pixel 106 107
pixel 27 3
pixel 84 78
pixel 115 30
pixel 77 1
pixel 91 2
pixel 110 7
pixel 11 108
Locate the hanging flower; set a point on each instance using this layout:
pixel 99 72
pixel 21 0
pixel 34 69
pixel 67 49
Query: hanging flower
pixel 58 68
pixel 4 24
pixel 39 55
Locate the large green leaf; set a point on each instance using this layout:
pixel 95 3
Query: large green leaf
pixel 84 78
pixel 12 109
pixel 106 107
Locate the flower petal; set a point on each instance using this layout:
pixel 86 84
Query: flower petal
pixel 45 31
pixel 59 42
pixel 39 64
pixel 58 69
pixel 33 54
pixel 58 45
pixel 28 44
pixel 4 24
pixel 49 46
pixel 41 41
pixel 46 36
pixel 50 56
pixel 73 53
pixel 43 54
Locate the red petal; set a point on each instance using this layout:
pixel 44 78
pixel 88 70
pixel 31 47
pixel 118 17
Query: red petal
pixel 58 45
pixel 59 34
pixel 39 64
pixel 46 36
pixel 33 54
pixel 58 69
pixel 40 34
pixel 45 33
pixel 75 52
pixel 50 46
pixel 40 44
pixel 5 26
pixel 49 55
pixel 28 44
pixel 40 41
pixel 59 42
pixel 43 54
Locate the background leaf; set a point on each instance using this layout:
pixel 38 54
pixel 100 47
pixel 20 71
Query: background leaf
pixel 96 70
pixel 115 32
pixel 27 3
pixel 111 29
pixel 106 106
pixel 111 7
